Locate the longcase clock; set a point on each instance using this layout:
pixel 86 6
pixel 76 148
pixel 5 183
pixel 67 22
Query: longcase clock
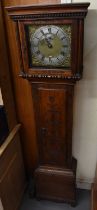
pixel 50 47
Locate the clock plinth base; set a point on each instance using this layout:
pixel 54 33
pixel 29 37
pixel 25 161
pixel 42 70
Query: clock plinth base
pixel 58 184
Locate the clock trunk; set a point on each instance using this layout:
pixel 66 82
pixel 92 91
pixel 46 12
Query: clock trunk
pixel 53 105
pixel 56 172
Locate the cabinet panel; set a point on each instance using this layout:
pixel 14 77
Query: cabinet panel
pixel 53 120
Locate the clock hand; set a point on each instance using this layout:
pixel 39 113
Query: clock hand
pixel 48 43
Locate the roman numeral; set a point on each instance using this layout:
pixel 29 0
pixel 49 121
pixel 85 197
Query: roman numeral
pixel 58 59
pixel 42 32
pixel 38 52
pixel 63 38
pixel 63 53
pixel 50 58
pixel 36 37
pixel 65 45
pixel 49 30
pixel 57 32
pixel 42 58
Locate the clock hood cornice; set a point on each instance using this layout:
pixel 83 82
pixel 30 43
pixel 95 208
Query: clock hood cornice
pixel 74 10
pixel 66 14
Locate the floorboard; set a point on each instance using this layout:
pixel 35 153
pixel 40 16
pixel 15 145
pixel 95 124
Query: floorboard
pixel 83 203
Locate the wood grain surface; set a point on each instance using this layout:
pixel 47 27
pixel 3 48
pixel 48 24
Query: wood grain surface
pixel 5 77
pixel 12 172
pixel 21 87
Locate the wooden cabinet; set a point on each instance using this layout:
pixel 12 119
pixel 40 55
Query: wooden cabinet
pixel 12 172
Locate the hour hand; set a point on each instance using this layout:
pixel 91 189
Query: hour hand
pixel 48 43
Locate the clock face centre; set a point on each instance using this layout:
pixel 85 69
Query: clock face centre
pixel 50 46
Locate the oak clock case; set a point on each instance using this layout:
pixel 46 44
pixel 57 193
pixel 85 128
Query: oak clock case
pixel 50 47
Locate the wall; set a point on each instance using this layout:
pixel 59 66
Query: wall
pixel 1 101
pixel 1 207
pixel 85 105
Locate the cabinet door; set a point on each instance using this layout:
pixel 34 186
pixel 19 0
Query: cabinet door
pixel 53 113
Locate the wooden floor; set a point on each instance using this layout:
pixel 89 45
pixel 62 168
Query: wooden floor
pixel 29 203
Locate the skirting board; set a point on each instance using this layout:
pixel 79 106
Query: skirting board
pixel 66 1
pixel 81 184
pixel 84 183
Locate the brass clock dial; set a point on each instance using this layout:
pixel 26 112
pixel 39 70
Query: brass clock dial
pixel 50 46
